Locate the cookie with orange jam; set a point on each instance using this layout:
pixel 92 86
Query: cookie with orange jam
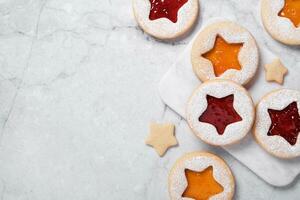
pixel 281 18
pixel 166 19
pixel 201 175
pixel 220 112
pixel 225 50
pixel 277 125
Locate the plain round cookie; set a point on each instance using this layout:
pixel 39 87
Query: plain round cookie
pixel 248 56
pixel 163 28
pixel 275 145
pixel 280 28
pixel 242 104
pixel 199 161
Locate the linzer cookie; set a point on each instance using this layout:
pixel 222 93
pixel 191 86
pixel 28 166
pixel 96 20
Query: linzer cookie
pixel 220 112
pixel 166 19
pixel 225 50
pixel 201 175
pixel 277 123
pixel 281 18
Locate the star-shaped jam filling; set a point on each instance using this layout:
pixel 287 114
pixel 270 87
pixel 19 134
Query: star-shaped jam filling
pixel 220 112
pixel 291 10
pixel 285 123
pixel 165 9
pixel 224 56
pixel 201 185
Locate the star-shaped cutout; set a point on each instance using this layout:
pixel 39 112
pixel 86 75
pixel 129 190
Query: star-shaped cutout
pixel 275 71
pixel 161 137
pixel 224 56
pixel 291 10
pixel 285 123
pixel 220 112
pixel 201 185
pixel 165 9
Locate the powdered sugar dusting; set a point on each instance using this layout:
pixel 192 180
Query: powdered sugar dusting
pixel 276 145
pixel 232 33
pixel 242 104
pixel 163 28
pixel 199 161
pixel 280 28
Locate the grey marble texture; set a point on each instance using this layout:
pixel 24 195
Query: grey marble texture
pixel 78 88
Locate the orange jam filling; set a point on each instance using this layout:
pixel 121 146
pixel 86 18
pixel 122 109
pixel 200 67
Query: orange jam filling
pixel 291 10
pixel 201 185
pixel 224 56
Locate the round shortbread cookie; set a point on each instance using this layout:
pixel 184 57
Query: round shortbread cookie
pixel 198 162
pixel 232 33
pixel 219 123
pixel 281 105
pixel 280 28
pixel 164 28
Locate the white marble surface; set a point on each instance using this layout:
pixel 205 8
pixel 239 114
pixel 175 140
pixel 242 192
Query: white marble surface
pixel 78 87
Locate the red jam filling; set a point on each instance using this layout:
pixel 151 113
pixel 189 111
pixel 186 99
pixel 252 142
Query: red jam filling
pixel 165 9
pixel 285 123
pixel 220 112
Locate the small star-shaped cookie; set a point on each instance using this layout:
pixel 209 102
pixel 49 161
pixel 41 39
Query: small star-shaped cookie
pixel 161 137
pixel 275 71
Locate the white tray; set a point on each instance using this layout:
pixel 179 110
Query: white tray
pixel 177 85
